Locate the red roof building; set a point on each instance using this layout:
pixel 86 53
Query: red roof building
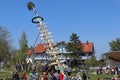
pixel 41 48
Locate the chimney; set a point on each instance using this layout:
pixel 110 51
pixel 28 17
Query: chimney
pixel 87 42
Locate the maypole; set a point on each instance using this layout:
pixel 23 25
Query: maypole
pixel 46 36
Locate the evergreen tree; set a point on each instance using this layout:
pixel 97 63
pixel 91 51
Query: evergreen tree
pixel 74 46
pixel 23 47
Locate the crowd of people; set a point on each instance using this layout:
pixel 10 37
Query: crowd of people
pixel 61 75
pixel 51 74
pixel 57 75
pixel 115 71
pixel 30 72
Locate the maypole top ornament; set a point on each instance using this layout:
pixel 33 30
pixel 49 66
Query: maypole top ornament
pixel 30 5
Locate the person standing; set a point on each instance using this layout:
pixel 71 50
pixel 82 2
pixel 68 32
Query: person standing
pixel 56 75
pixel 84 77
pixel 24 77
pixel 78 77
pixel 16 76
pixel 61 75
pixel 44 76
pixel 30 77
pixel 69 71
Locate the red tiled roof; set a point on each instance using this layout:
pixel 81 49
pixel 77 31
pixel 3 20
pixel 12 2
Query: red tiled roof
pixel 87 47
pixel 114 56
pixel 40 48
pixel 28 52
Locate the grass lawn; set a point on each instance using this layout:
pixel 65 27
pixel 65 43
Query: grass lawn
pixel 101 76
pixel 5 75
pixel 92 76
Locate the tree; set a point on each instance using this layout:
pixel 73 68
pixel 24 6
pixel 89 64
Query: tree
pixel 91 61
pixel 23 46
pixel 5 43
pixel 74 46
pixel 115 45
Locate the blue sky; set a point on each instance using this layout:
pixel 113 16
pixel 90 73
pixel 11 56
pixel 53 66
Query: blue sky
pixel 97 21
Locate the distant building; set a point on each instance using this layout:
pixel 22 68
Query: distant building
pixel 112 59
pixel 88 50
pixel 41 53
